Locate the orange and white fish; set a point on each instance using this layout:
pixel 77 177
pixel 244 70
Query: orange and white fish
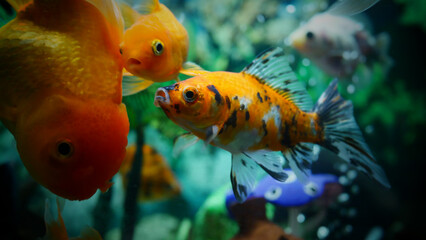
pixel 56 230
pixel 60 92
pixel 157 179
pixel 154 47
pixel 338 44
pixel 262 111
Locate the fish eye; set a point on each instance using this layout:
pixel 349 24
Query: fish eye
pixel 157 47
pixel 64 149
pixel 310 35
pixel 273 193
pixel 190 94
pixel 311 189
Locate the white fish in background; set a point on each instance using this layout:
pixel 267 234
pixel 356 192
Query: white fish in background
pixel 337 43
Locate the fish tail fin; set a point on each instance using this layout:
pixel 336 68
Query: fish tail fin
pixel 132 85
pixel 382 47
pixel 19 5
pixel 342 134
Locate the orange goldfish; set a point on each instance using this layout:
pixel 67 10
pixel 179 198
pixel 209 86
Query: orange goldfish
pixel 60 93
pixel 154 47
pixel 262 111
pixel 157 179
pixel 56 230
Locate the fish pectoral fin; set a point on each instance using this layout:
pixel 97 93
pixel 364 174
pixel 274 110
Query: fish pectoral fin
pixel 182 142
pixel 192 69
pixel 243 176
pixel 271 162
pixel 133 84
pixel 300 158
pixel 130 15
pixel 350 7
pixel 211 133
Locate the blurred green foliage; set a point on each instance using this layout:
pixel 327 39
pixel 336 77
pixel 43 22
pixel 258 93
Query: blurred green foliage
pixel 414 12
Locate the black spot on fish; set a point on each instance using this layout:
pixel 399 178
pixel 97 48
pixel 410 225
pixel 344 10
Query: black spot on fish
pixel 275 165
pixel 265 60
pixel 286 89
pixel 236 98
pixel 232 120
pixel 287 82
pixel 242 189
pixel 279 54
pixel 242 107
pixel 217 96
pixel 286 141
pixel 260 98
pixel 244 163
pixel 264 127
pixel 266 98
pixel 176 106
pixel 228 102
pixel 247 116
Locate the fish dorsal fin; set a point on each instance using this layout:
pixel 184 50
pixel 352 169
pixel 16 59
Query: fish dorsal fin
pixel 146 6
pixel 19 5
pixel 130 15
pixel 112 14
pixel 272 69
pixel 350 7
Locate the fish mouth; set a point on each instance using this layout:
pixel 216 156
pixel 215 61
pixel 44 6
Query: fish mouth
pixel 161 97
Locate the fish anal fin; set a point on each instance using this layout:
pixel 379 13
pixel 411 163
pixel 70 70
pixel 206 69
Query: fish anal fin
pixel 271 162
pixel 300 158
pixel 273 69
pixel 243 176
pixel 192 69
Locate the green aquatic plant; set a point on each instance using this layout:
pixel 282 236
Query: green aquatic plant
pixel 414 12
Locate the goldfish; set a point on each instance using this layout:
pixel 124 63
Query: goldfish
pixel 157 179
pixel 263 115
pixel 338 44
pixel 56 230
pixel 154 47
pixel 60 93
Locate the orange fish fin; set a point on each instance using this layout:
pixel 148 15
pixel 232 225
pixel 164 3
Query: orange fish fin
pixel 130 15
pixel 273 69
pixel 112 14
pixel 126 73
pixel 55 229
pixel 133 84
pixel 19 5
pixel 182 142
pixel 146 6
pixel 192 69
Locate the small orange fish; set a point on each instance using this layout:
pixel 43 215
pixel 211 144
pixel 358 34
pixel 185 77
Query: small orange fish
pixel 60 93
pixel 56 230
pixel 262 111
pixel 154 47
pixel 157 179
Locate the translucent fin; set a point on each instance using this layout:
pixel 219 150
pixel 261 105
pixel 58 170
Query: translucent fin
pixel 243 176
pixel 146 6
pixel 184 141
pixel 342 134
pixel 19 5
pixel 192 69
pixel 130 16
pixel 211 133
pixel 350 7
pixel 133 84
pixel 89 233
pixel 272 68
pixel 111 12
pixel 55 229
pixel 300 158
pixel 271 162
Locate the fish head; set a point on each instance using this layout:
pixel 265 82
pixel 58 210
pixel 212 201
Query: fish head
pixel 312 39
pixel 147 52
pixel 72 146
pixel 193 104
